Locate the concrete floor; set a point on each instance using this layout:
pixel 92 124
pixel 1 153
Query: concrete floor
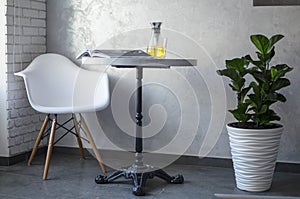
pixel 71 177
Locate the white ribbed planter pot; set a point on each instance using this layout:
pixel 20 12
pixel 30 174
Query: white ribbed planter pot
pixel 254 153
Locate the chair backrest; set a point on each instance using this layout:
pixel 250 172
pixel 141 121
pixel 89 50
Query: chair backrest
pixel 54 84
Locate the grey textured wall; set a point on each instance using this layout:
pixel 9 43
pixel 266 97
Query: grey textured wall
pixel 209 30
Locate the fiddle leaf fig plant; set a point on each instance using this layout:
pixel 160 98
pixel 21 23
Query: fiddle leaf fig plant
pixel 257 83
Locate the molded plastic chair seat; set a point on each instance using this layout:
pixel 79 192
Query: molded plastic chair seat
pixel 55 85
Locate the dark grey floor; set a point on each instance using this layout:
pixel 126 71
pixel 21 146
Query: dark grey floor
pixel 71 177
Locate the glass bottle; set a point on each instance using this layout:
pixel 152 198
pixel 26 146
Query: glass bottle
pixel 157 44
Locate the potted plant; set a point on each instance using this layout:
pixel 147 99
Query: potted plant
pixel 254 139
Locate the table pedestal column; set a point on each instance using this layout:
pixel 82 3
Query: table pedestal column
pixel 138 115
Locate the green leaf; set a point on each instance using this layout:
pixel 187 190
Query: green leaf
pixel 265 58
pixel 242 117
pixel 261 42
pixel 280 97
pixel 263 109
pixel 234 88
pixel 248 58
pixel 261 57
pixel 259 76
pixel 238 85
pixel 239 64
pixel 274 73
pixel 264 89
pixel 276 97
pixel 254 99
pixel 274 39
pixel 267 117
pixel 281 69
pixel 272 53
pixel 242 107
pixel 229 72
pixel 240 113
pixel 244 92
pixel 255 87
pixel 280 83
pixel 259 64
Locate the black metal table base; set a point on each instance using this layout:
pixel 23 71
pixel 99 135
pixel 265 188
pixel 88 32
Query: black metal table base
pixel 139 172
pixel 139 178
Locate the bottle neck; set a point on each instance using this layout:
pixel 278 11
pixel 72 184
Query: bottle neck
pixel 156 30
pixel 155 38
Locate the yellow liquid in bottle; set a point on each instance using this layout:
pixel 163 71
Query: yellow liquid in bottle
pixel 156 51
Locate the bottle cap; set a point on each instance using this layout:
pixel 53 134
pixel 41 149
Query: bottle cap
pixel 156 26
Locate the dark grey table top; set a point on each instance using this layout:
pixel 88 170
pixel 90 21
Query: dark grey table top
pixel 145 62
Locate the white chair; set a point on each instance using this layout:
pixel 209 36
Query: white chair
pixel 55 85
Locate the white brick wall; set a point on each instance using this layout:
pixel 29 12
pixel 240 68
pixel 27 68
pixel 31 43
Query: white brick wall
pixel 26 39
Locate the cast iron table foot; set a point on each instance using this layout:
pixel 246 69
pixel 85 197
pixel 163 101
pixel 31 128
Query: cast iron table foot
pixel 139 179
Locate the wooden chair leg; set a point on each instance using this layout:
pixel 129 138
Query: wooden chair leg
pixel 75 122
pixel 91 140
pixel 50 147
pixel 38 139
